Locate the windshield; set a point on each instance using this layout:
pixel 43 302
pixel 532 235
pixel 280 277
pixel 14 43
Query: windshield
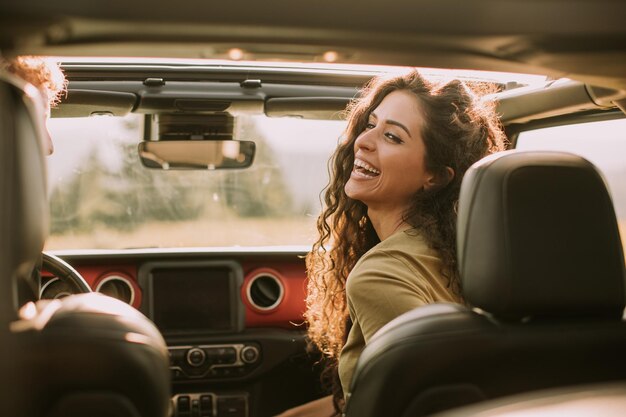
pixel 101 197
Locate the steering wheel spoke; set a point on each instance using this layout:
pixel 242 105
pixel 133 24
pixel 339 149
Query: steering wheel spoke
pixel 65 272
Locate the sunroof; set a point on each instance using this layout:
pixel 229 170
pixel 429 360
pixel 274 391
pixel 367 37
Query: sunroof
pixel 503 78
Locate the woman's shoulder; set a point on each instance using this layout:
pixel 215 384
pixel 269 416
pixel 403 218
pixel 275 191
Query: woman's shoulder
pixel 399 252
pixel 405 243
pixel 404 259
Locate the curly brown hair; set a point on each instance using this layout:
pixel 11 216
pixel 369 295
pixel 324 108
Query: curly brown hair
pixel 42 72
pixel 459 129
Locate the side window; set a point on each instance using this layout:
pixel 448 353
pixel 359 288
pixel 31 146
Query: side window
pixel 602 143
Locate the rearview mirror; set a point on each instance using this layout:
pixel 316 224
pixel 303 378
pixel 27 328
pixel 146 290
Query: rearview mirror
pixel 197 154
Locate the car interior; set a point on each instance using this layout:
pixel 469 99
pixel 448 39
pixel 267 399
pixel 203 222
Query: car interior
pixel 154 264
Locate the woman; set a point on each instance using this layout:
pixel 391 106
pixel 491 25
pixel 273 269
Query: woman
pixel 387 235
pixel 46 75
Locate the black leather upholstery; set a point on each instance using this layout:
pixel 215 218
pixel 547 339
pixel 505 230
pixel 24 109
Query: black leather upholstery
pixel 96 347
pixel 540 255
pixel 535 230
pixel 23 222
pixel 87 354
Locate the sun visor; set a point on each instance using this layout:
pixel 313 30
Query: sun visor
pixel 84 103
pixel 325 108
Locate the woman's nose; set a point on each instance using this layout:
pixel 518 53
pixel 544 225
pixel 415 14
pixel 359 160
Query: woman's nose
pixel 366 140
pixel 48 147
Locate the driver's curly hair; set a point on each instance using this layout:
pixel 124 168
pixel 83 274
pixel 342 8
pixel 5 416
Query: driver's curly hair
pixel 459 129
pixel 42 72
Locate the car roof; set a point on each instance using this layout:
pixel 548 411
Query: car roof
pixel 579 39
pixel 118 86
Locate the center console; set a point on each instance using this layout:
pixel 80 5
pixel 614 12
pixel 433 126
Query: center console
pixel 210 405
pixel 213 361
pixel 200 300
pixel 219 368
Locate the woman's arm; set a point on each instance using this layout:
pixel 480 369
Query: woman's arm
pixel 322 407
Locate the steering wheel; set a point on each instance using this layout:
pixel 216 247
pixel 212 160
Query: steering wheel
pixel 65 272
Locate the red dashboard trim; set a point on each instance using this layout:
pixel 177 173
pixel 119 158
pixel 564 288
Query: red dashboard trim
pixel 288 314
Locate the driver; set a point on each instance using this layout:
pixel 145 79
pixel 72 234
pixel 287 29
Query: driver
pixel 46 75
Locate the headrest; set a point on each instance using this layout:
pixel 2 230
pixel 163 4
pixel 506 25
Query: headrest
pixel 538 237
pixel 23 185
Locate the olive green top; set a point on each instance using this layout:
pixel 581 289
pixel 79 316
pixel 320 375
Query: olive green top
pixel 395 276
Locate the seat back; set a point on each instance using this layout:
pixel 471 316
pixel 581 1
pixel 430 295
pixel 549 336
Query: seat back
pixel 541 263
pixel 85 354
pixel 23 217
pixel 24 212
pixel 538 237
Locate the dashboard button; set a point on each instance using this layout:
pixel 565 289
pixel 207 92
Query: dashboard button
pixel 249 354
pixel 196 357
pixel 212 355
pixel 195 408
pixel 176 356
pixel 183 405
pixel 230 355
pixel 206 403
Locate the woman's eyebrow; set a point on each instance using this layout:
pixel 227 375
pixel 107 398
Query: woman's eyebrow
pixel 393 122
pixel 400 125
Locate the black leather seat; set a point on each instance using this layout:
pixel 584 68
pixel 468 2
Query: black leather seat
pixel 84 355
pixel 542 264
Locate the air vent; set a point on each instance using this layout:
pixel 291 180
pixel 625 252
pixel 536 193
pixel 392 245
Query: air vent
pixel 118 287
pixel 55 288
pixel 265 292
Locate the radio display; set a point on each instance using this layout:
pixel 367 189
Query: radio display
pixel 195 299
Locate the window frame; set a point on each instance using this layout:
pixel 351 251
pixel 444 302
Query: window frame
pixel 515 129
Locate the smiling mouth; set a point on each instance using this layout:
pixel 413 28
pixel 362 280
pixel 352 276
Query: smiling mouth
pixel 364 169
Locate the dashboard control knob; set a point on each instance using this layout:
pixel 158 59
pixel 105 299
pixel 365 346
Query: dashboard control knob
pixel 196 357
pixel 249 354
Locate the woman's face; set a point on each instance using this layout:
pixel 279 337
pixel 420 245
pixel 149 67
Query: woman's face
pixel 389 155
pixel 48 147
pixel 47 138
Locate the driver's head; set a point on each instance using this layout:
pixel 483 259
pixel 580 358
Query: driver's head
pixel 46 75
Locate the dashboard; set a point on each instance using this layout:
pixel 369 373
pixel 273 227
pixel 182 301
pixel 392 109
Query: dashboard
pixel 271 291
pixel 233 323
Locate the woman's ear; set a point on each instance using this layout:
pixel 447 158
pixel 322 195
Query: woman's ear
pixel 439 180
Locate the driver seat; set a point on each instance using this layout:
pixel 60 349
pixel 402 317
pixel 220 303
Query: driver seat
pixel 86 354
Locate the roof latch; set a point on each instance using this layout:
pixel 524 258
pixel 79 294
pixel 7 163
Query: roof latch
pixel 154 82
pixel 251 84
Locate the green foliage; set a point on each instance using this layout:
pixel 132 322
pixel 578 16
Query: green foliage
pixel 129 195
pixel 259 191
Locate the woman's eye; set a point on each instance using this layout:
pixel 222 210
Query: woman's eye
pixel 369 126
pixel 393 138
